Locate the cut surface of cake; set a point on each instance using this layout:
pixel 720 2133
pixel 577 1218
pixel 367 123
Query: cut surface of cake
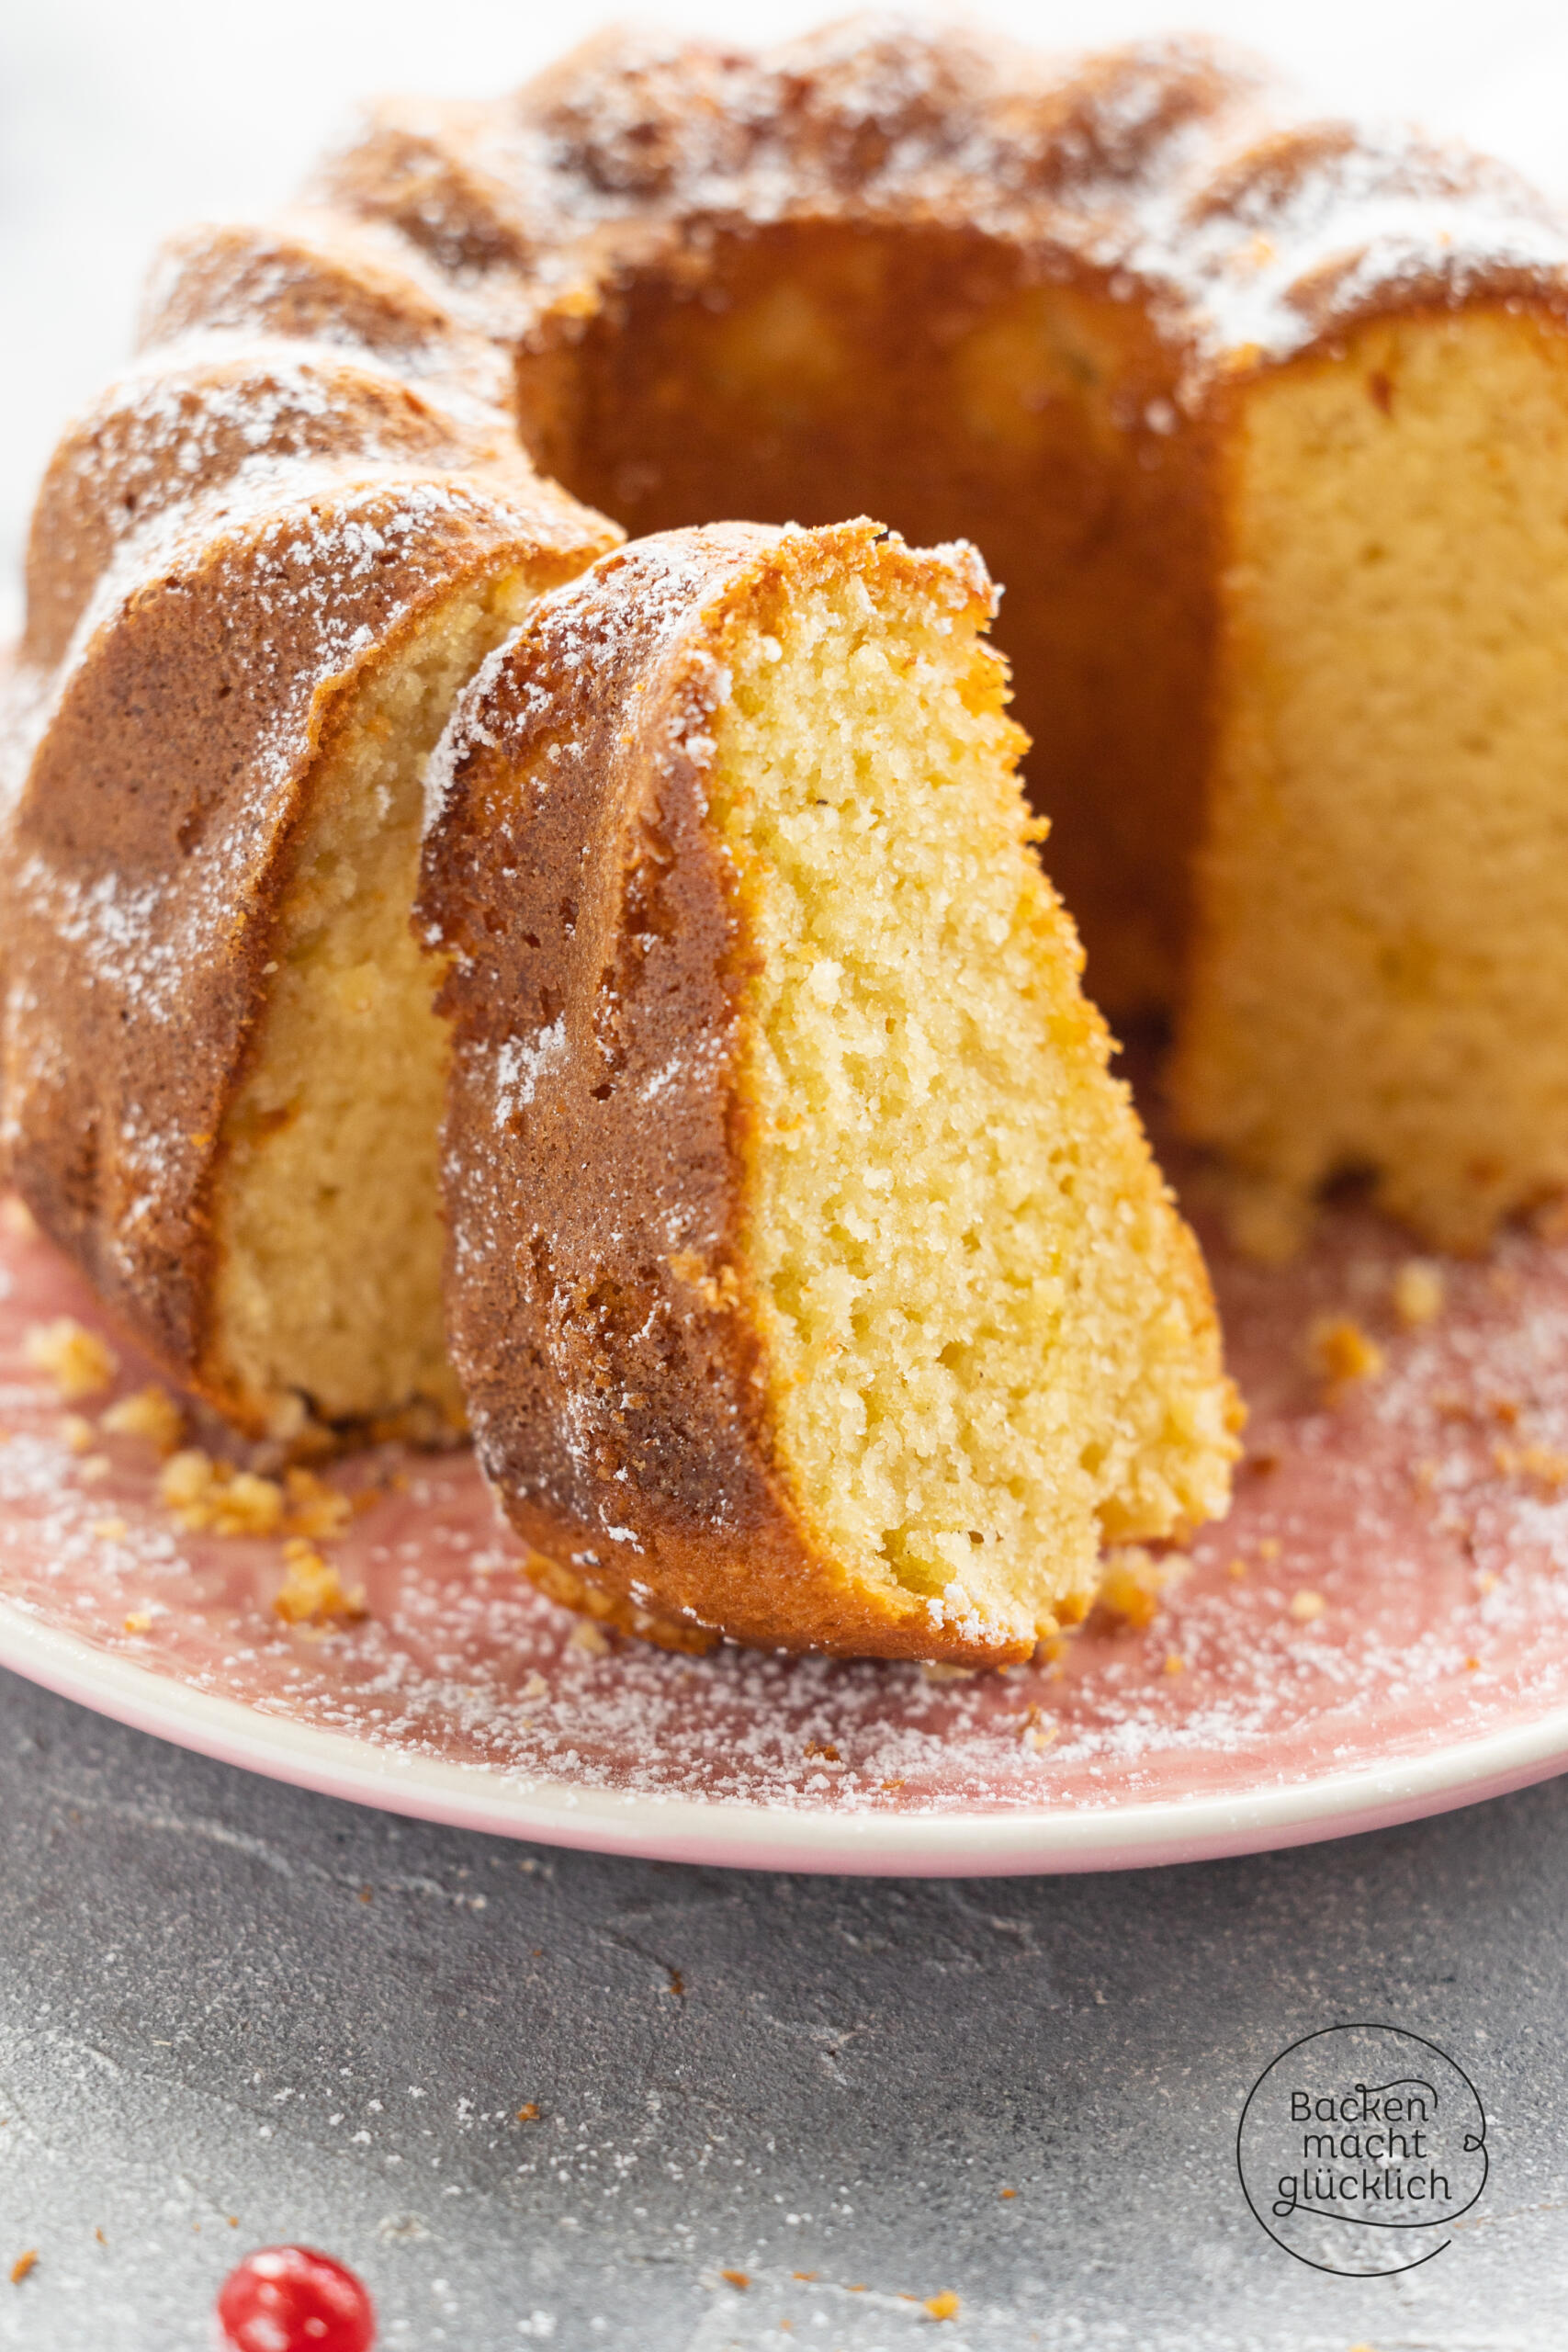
pixel 811 1280
pixel 325 1228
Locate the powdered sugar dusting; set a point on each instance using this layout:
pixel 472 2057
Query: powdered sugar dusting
pixel 520 1062
pixel 462 728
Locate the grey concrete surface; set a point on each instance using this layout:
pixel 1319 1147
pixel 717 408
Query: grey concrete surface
pixel 232 2013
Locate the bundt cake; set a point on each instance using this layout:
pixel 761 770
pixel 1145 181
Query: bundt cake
pixel 810 1280
pixel 1259 419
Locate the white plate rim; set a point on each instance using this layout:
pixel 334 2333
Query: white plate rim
pixel 739 1835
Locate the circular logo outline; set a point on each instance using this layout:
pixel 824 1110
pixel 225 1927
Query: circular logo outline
pixel 1366 2025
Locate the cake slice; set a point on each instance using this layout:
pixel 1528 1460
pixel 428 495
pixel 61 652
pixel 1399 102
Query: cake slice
pixel 810 1278
pixel 220 1072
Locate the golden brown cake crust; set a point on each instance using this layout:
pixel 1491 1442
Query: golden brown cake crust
pixel 599 1314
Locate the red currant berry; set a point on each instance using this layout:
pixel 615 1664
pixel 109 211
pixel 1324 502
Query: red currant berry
pixel 290 2299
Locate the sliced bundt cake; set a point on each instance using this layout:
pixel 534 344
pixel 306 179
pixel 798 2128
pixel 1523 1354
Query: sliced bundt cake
pixel 1260 419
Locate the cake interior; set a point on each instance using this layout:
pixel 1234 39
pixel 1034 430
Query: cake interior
pixel 1382 977
pixel 808 372
pixel 981 1314
pixel 327 1233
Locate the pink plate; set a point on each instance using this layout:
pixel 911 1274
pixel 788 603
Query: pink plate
pixel 1379 1631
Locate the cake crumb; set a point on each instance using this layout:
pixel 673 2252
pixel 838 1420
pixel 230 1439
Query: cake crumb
pixel 1548 1469
pixel 935 1670
pixel 1175 1663
pixel 109 1530
pixel 1486 1581
pixel 1237 1568
pixel 78 1362
pixel 207 1496
pixel 1036 1734
pixel 588 1636
pixel 943 2306
pixel 529 2111
pixel 139 1621
pixel 823 1749
pixel 1134 1580
pixel 1268 1549
pixel 23 2265
pixel 1418 1293
pixel 151 1413
pixel 312 1592
pixel 315 1508
pixel 740 2279
pixel 1342 1353
pixel 1307 1607
pixel 92 1468
pixel 76 1433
